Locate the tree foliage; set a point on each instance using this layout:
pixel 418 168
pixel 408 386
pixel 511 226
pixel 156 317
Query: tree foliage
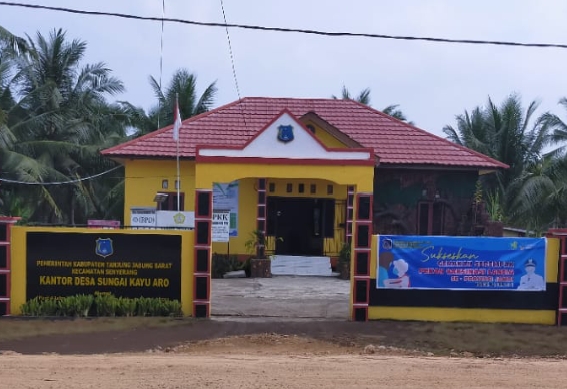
pixel 363 97
pixel 530 191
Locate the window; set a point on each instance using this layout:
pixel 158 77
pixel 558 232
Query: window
pixel 289 188
pixel 313 188
pixel 272 187
pixel 330 189
pixel 301 188
pixel 431 218
pixel 170 203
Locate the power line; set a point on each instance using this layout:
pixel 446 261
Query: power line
pixel 60 182
pixel 233 65
pixel 230 51
pixel 283 29
pixel 160 59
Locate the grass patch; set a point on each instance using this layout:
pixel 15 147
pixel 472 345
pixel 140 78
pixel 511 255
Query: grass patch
pixel 19 328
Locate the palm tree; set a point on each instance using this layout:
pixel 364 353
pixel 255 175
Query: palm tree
pixel 60 122
pixel 542 188
pixel 507 134
pixel 364 98
pixel 13 43
pixel 184 85
pixel 558 126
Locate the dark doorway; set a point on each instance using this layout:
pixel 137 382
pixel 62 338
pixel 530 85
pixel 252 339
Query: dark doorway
pixel 300 225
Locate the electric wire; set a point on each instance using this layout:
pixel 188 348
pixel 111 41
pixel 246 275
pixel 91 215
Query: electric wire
pixel 60 182
pixel 289 30
pixel 161 59
pixel 230 51
pixel 233 65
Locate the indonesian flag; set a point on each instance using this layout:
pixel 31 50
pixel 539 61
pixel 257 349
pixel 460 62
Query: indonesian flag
pixel 176 121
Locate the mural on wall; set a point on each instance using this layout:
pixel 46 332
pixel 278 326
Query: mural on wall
pixel 225 198
pixel 441 262
pixel 66 264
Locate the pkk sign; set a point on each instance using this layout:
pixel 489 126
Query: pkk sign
pixel 221 226
pixel 446 262
pixel 126 265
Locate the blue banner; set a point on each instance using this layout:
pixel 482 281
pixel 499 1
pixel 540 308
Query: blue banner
pixel 446 262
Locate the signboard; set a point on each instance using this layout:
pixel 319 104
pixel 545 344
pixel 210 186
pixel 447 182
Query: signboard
pixel 478 263
pixel 106 224
pixel 128 265
pixel 225 196
pixel 175 219
pixel 143 217
pixel 221 226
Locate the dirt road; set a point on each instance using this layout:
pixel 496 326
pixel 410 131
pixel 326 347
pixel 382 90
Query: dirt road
pixel 274 362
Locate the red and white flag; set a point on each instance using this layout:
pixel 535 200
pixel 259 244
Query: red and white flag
pixel 176 121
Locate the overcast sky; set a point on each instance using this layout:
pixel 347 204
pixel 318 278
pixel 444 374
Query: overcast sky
pixel 432 82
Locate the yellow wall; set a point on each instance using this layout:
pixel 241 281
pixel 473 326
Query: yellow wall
pixel 247 209
pixel 361 176
pixel 18 253
pixel 473 315
pixel 326 138
pixel 143 181
pixel 207 173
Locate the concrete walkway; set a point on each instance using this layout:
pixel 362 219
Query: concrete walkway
pixel 281 296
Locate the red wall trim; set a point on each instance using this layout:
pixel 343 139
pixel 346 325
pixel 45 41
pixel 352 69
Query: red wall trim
pixel 288 161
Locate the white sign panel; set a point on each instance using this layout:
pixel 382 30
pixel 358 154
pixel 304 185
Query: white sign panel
pixel 175 219
pixel 221 226
pixel 225 197
pixel 143 217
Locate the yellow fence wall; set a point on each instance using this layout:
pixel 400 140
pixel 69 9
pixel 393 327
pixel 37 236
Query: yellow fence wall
pixel 468 314
pixel 18 255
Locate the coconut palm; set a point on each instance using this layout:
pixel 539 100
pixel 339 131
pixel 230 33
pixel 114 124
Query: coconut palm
pixel 542 189
pixel 364 98
pixel 183 85
pixel 559 127
pixel 60 122
pixel 508 134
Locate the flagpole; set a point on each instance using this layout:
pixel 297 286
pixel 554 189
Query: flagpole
pixel 177 152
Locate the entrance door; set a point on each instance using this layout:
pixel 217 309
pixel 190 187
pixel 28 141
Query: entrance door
pixel 300 225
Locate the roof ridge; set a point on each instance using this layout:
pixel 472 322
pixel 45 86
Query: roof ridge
pixel 464 148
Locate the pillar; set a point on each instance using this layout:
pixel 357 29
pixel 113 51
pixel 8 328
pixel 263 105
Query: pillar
pixel 361 256
pixel 6 224
pixel 202 258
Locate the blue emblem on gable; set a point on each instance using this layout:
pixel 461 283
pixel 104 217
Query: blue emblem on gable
pixel 285 133
pixel 104 247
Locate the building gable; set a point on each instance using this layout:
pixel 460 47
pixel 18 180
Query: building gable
pixel 286 138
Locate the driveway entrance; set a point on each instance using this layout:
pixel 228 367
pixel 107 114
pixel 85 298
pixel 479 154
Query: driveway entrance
pixel 281 296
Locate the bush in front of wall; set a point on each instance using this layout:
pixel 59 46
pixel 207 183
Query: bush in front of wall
pixel 101 305
pixel 222 264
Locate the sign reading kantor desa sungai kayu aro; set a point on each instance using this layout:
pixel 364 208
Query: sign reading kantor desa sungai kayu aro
pixel 446 262
pixel 66 264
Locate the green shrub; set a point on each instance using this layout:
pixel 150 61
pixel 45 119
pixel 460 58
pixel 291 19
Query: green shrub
pixel 105 304
pixel 83 304
pixel 102 305
pixel 222 264
pixel 68 306
pixel 49 307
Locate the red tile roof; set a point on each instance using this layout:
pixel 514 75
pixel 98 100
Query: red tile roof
pixel 393 141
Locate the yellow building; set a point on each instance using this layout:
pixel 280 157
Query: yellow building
pixel 302 171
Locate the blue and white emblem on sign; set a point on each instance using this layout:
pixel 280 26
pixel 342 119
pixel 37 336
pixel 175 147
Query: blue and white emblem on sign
pixel 104 247
pixel 285 133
